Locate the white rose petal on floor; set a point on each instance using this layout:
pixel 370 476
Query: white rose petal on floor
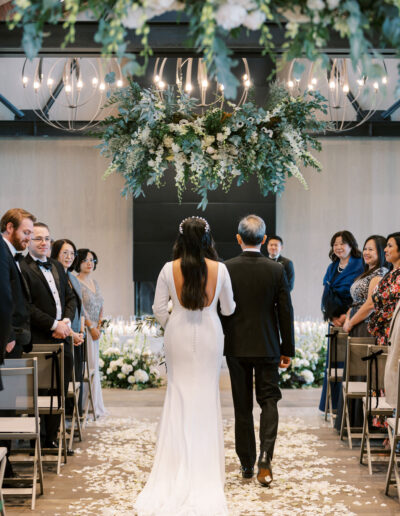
pixel 305 480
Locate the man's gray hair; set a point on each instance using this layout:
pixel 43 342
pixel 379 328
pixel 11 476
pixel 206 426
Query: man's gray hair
pixel 252 229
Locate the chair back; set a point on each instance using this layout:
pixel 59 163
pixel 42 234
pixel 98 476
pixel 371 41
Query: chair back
pixel 20 382
pixel 337 347
pixel 357 348
pixel 397 415
pixel 376 364
pixel 50 359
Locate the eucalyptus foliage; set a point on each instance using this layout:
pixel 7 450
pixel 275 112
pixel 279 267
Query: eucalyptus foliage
pixel 364 24
pixel 213 148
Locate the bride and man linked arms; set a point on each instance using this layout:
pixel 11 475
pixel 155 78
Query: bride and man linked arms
pixel 256 334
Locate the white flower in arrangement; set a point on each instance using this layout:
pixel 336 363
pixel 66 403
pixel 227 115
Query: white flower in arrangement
pixel 210 150
pixel 127 368
pixel 109 370
pixel 141 376
pixel 226 130
pixel 101 362
pixel 268 132
pixel 154 371
pixel 229 16
pixel 175 147
pixel 121 376
pixel 307 375
pixel 333 4
pixel 116 340
pixel 119 362
pixel 208 140
pixel 254 20
pixel 113 365
pixel 145 134
pixel 147 352
pixel 131 379
pixel 168 141
pixel 315 5
pixel 221 137
pixel 137 352
pixel 183 121
pixel 239 125
pixel 130 342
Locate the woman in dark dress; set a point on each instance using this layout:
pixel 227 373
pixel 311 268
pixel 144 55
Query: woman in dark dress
pixel 358 314
pixel 336 299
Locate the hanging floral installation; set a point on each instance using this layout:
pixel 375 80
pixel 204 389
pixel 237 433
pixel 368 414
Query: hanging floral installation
pixel 213 148
pixel 308 26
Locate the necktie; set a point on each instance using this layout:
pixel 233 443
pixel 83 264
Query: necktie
pixel 18 257
pixel 47 264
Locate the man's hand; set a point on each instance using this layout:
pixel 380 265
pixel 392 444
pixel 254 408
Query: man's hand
pixel 62 330
pixel 78 338
pixel 284 362
pixel 10 346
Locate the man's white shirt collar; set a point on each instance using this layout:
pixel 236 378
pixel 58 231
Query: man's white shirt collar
pixel 10 246
pixel 251 250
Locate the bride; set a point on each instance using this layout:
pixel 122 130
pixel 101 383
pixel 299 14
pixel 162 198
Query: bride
pixel 188 473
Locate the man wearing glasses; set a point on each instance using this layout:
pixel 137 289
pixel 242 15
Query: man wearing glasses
pixel 52 307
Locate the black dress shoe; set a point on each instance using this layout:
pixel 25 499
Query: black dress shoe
pixel 70 453
pixel 247 472
pixel 264 475
pixel 52 445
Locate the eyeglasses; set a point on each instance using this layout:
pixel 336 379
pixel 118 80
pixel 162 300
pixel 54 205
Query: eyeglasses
pixel 41 239
pixel 67 254
pixel 89 260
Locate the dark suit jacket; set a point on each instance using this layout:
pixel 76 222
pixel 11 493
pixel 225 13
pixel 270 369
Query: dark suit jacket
pixel 20 328
pixel 289 270
pixel 5 300
pixel 263 309
pixel 43 307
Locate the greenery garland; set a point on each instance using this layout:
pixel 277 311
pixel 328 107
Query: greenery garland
pixel 213 148
pixel 364 24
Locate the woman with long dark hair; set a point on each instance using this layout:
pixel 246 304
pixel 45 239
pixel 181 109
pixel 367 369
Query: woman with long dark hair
pixel 188 470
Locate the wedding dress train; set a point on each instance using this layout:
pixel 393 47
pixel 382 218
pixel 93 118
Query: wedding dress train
pixel 188 473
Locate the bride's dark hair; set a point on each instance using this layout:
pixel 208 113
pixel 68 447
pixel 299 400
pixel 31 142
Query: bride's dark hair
pixel 192 246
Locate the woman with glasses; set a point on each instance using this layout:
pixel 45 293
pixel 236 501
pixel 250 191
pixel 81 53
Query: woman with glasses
pixel 64 251
pixel 85 264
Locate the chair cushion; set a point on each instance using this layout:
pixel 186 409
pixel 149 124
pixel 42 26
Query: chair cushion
pixel 17 425
pixel 339 373
pixel 382 405
pixel 357 388
pixel 44 402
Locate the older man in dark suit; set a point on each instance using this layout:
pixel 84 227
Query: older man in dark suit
pixel 252 345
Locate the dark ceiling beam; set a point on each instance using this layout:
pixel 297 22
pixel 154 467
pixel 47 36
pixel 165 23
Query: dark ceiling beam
pixel 389 112
pixel 167 39
pixel 9 105
pixel 12 128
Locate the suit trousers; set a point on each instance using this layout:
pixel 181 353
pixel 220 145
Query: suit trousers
pixel 268 394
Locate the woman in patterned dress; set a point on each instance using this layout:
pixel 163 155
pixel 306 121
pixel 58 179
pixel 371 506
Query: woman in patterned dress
pixel 86 262
pixel 387 293
pixel 363 287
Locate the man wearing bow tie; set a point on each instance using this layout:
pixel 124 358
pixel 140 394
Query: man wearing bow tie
pixel 16 226
pixel 52 306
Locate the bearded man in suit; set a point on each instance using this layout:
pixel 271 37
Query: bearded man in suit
pixel 52 308
pixel 252 345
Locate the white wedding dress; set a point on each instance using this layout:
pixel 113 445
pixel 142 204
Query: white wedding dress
pixel 188 473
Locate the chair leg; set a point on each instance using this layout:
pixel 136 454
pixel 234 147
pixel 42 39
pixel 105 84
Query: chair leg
pixel 2 469
pixel 368 441
pixel 78 419
pixel 64 436
pixel 40 465
pixel 327 397
pixel 348 427
pixel 391 462
pixel 34 476
pixel 91 397
pixel 343 416
pixel 363 435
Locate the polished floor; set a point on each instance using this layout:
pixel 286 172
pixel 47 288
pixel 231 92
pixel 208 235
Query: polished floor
pixel 315 473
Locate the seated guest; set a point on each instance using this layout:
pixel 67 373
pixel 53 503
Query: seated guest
pixel 16 226
pixel 336 299
pixel 387 294
pixel 65 252
pixel 274 247
pixel 375 267
pixel 52 309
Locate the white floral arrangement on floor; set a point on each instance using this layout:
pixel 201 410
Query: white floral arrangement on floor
pixel 132 364
pixel 308 366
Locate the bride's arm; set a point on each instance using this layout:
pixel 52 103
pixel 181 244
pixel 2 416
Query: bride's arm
pixel 226 300
pixel 161 298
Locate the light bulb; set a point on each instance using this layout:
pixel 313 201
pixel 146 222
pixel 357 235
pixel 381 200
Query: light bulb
pixel 161 85
pixel 360 82
pixel 50 81
pixel 384 80
pixel 346 88
pixel 68 88
pixel 245 77
pixel 95 81
pixel 102 86
pixel 188 87
pixel 119 83
pixel 332 85
pixel 204 83
pixel 310 87
pixel 25 80
pixel 221 87
pixel 79 84
pixel 157 79
pixel 313 80
pixel 376 86
pixel 290 84
pixel 247 83
pixel 36 85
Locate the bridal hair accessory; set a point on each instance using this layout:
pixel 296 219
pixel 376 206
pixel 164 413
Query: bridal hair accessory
pixel 207 225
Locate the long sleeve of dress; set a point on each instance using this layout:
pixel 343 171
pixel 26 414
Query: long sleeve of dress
pixel 226 300
pixel 161 298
